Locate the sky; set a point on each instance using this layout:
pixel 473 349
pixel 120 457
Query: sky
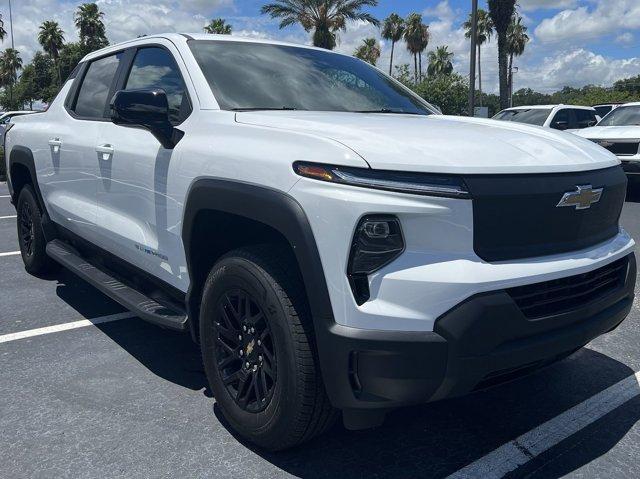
pixel 573 42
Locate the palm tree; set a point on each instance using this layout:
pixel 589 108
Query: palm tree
pixel 517 40
pixel 3 33
pixel 485 31
pixel 324 17
pixel 501 12
pixel 417 37
pixel 88 21
pixel 10 63
pixel 369 51
pixel 51 37
pixel 440 62
pixel 218 26
pixel 392 30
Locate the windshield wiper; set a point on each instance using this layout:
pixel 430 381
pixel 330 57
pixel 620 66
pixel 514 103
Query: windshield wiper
pixel 255 108
pixel 389 110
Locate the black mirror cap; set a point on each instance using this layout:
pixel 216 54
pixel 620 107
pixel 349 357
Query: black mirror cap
pixel 146 108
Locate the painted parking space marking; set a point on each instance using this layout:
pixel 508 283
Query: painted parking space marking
pixel 30 333
pixel 10 253
pixel 8 217
pixel 510 456
pixel 5 196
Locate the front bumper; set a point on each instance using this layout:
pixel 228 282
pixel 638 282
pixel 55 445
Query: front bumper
pixel 483 341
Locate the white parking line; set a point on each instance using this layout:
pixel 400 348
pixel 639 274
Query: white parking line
pixel 5 196
pixel 509 457
pixel 10 253
pixel 8 217
pixel 7 338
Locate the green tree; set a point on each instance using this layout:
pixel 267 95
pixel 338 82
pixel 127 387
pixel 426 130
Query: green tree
pixel 628 85
pixel 484 33
pixel 369 51
pixel 416 36
pixel 51 37
pixel 501 12
pixel 517 40
pixel 10 64
pixel 88 21
pixel 440 62
pixel 324 17
pixel 449 92
pixel 70 56
pixel 393 30
pixel 218 26
pixel 3 33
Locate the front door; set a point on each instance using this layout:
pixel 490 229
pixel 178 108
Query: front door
pixel 138 216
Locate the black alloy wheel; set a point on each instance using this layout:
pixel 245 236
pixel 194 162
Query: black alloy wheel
pixel 246 357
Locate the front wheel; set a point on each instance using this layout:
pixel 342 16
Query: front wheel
pixel 258 353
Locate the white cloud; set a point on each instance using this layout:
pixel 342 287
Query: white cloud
pixel 530 5
pixel 576 68
pixel 582 23
pixel 626 38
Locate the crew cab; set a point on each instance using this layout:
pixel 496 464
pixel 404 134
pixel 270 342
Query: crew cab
pixel 334 245
pixel 558 117
pixel 619 132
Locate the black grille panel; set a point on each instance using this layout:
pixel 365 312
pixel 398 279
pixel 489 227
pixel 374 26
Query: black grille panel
pixel 619 148
pixel 566 294
pixel 516 216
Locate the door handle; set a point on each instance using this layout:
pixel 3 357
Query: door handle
pixel 106 151
pixel 55 143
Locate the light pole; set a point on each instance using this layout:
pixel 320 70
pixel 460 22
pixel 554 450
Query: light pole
pixel 472 63
pixel 511 72
pixel 11 25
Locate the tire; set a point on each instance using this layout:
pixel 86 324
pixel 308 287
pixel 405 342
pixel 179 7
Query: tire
pixel 31 236
pixel 270 390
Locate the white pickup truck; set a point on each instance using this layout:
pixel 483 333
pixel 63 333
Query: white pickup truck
pixel 333 244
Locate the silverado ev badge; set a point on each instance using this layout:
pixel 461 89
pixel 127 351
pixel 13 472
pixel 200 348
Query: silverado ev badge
pixel 582 198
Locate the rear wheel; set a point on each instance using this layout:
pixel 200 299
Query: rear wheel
pixel 30 235
pixel 257 347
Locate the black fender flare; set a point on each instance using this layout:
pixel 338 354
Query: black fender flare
pixel 21 155
pixel 274 209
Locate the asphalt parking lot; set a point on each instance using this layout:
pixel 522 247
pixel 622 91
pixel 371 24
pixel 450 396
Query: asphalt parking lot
pixel 121 398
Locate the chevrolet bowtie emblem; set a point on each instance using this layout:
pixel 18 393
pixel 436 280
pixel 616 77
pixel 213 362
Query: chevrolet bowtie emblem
pixel 582 198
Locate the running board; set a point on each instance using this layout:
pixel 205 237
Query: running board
pixel 143 306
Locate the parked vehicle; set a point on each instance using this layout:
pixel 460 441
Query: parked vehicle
pixel 5 119
pixel 558 117
pixel 333 244
pixel 619 132
pixel 605 109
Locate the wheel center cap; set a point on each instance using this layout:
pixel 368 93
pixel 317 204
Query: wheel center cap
pixel 250 346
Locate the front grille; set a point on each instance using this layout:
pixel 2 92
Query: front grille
pixel 620 148
pixel 566 294
pixel 517 216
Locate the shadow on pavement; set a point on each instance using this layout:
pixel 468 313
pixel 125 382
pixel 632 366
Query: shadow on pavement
pixel 432 440
pixel 633 190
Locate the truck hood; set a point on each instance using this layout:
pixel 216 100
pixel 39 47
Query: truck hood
pixel 442 144
pixel 610 133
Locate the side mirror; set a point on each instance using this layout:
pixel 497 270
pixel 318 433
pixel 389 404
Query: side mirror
pixel 146 108
pixel 561 125
pixel 592 123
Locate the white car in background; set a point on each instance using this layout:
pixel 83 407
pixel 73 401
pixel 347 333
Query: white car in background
pixel 606 108
pixel 558 117
pixel 5 119
pixel 619 132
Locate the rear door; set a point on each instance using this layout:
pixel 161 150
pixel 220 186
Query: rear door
pixel 138 215
pixel 71 183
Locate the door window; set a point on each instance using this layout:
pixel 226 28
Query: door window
pixel 96 85
pixel 562 120
pixel 154 67
pixel 585 118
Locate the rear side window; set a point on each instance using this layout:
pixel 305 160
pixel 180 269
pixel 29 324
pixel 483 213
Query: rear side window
pixel 154 67
pixel 96 85
pixel 585 118
pixel 563 120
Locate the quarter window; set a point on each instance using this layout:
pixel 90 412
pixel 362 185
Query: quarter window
pixel 155 68
pixel 94 91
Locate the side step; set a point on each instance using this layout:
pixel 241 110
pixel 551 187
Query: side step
pixel 132 299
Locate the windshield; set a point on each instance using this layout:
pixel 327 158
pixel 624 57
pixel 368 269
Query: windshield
pixel 623 116
pixel 254 76
pixel 533 116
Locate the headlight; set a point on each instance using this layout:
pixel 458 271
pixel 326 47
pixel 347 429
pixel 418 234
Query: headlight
pixel 403 182
pixel 377 242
